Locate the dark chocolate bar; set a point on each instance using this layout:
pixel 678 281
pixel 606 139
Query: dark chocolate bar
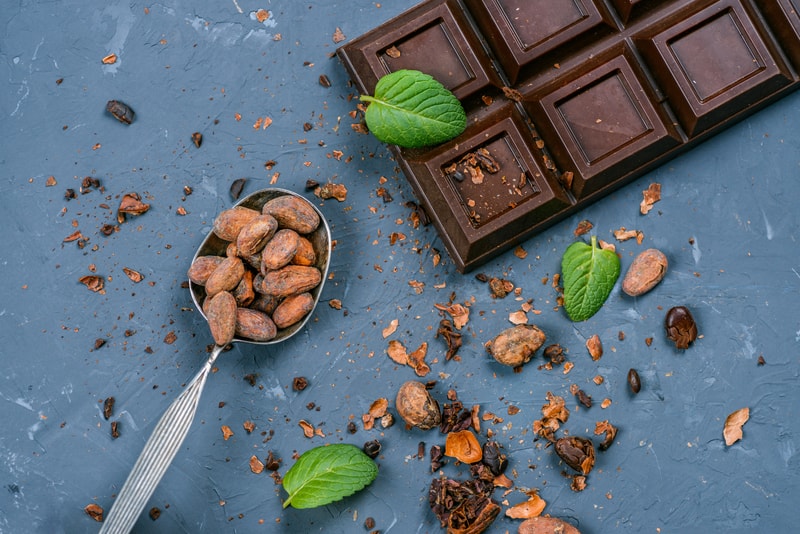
pixel 568 100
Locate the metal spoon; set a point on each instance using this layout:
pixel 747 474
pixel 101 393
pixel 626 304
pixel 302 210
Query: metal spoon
pixel 173 427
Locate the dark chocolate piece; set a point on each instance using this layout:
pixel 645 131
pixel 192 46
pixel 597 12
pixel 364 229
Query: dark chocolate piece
pixel 567 101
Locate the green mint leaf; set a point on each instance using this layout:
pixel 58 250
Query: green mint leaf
pixel 411 109
pixel 326 474
pixel 589 274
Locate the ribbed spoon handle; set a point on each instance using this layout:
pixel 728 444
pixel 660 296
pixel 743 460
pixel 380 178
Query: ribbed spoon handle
pixel 158 452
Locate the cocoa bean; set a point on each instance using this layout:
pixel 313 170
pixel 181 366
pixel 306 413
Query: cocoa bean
pixel 515 346
pixel 280 250
pixel 416 406
pixel 226 276
pixel 221 315
pixel 290 280
pixel 230 222
pixel 305 254
pixel 292 309
pixel 255 325
pixel 255 234
pixel 646 271
pixel 293 212
pixel 202 267
pixel 244 292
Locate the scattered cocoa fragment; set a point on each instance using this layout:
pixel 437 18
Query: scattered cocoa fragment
pixel 299 383
pixel 108 408
pixel 494 458
pixel 633 381
pixel 463 506
pixel 114 429
pixel 99 342
pixel 93 283
pixel 120 111
pixel 650 196
pixel 271 463
pixel 131 204
pixel 583 398
pixel 463 446
pixel 499 288
pixel 256 466
pixel 437 458
pixel 595 347
pixel 324 81
pixel 135 276
pixel 154 513
pixel 450 336
pixel 331 190
pixel 197 139
pixel 555 353
pixel 761 360
pixel 372 448
pixel 533 507
pixel 584 227
pixel 610 431
pixel 94 511
pixel 578 483
pixel 732 432
pixel 577 452
pixel 680 326
pixel 237 186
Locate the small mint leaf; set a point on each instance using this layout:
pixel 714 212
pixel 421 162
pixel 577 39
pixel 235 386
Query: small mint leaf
pixel 326 474
pixel 589 274
pixel 411 109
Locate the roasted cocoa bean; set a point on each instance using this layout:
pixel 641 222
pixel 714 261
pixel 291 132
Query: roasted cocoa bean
pixel 202 267
pixel 416 406
pixel 292 309
pixel 646 271
pixel 256 234
pixel 515 346
pixel 305 254
pixel 255 325
pixel 680 326
pixel 226 276
pixel 220 311
pixel 293 212
pixel 290 280
pixel 230 222
pixel 280 250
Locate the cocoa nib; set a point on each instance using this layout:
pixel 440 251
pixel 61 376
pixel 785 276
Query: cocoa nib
pixel 463 506
pixel 577 452
pixel 450 336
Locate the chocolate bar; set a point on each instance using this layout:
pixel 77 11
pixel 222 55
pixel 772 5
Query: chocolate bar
pixel 567 101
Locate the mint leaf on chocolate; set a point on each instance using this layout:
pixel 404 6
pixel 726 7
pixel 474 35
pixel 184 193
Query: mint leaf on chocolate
pixel 411 109
pixel 589 274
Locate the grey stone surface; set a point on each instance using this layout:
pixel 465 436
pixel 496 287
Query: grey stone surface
pixel 728 222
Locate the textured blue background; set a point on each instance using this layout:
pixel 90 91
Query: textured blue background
pixel 728 222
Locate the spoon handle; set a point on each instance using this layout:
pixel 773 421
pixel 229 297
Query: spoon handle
pixel 158 452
